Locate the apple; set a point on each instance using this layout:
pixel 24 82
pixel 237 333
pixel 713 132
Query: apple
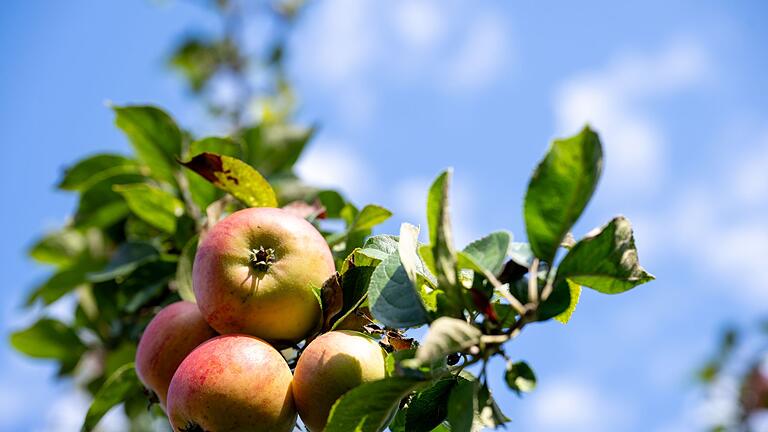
pixel 255 271
pixel 330 366
pixel 232 383
pixel 171 335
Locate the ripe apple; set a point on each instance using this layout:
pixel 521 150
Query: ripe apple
pixel 171 335
pixel 330 366
pixel 232 383
pixel 254 273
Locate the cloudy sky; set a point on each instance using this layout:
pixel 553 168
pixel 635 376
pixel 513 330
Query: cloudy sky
pixel 403 89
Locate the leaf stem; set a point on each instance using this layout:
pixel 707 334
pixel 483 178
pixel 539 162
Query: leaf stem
pixel 533 282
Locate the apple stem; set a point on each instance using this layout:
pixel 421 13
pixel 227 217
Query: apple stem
pixel 261 259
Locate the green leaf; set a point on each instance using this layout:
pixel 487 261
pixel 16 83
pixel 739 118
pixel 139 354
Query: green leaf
pixel 115 390
pixel 153 205
pixel 461 405
pixel 100 206
pixel 275 148
pixel 441 238
pixel 370 406
pixel 184 270
pixel 392 297
pixel 127 258
pixel 370 216
pixel 446 335
pixel 203 193
pixel 575 289
pixel 49 339
pixel 607 261
pixel 354 284
pixel 198 60
pixel 520 377
pixel 58 285
pixel 236 177
pixel 521 253
pixel 91 170
pixel 490 251
pixel 154 136
pixel 61 248
pixel 428 408
pixel 380 247
pixel 407 250
pixel 560 189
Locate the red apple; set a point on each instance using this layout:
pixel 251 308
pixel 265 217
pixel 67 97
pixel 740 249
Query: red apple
pixel 255 271
pixel 171 335
pixel 232 383
pixel 330 366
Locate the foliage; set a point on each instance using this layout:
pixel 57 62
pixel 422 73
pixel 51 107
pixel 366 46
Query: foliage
pixel 128 251
pixel 740 358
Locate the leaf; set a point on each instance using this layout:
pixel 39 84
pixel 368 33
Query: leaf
pixel 153 205
pixel 392 297
pixel 91 170
pixel 116 388
pixel 461 405
pixel 606 262
pixel 521 253
pixel 370 216
pixel 154 136
pixel 441 238
pixel 100 206
pixel 127 258
pixel 275 148
pixel 49 339
pixel 575 289
pixel 60 248
pixel 489 414
pixel 370 406
pixel 236 177
pixel 446 335
pixel 409 257
pixel 380 247
pixel 58 285
pixel 354 285
pixel 184 270
pixel 428 408
pixel 560 189
pixel 490 251
pixel 520 377
pixel 202 192
pixel 331 300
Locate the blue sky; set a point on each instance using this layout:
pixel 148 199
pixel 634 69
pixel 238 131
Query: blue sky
pixel 403 89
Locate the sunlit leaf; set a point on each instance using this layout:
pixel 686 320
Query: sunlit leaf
pixel 607 261
pixel 154 136
pixel 236 177
pixel 560 189
pixel 153 205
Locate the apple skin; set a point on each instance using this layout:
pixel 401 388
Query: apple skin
pixel 330 366
pixel 171 335
pixel 275 302
pixel 232 383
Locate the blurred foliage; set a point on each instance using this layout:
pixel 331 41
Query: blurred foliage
pixel 741 357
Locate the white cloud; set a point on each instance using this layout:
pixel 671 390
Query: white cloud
pixel 749 182
pixel 334 164
pixel 419 22
pixel 480 56
pixel 611 100
pixel 567 404
pixel 337 41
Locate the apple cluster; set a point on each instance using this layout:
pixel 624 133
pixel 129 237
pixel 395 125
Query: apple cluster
pixel 215 365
